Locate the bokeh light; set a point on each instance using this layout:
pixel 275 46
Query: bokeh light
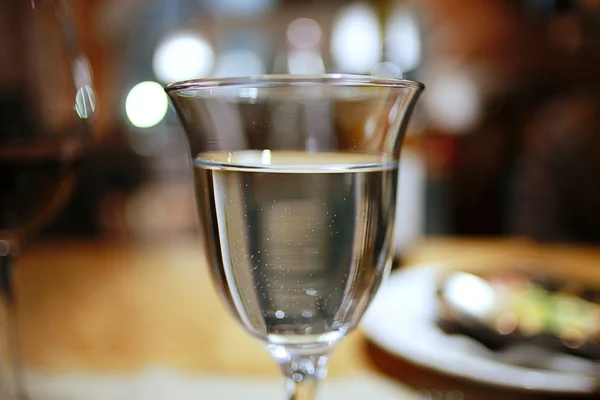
pixel 182 56
pixel 470 293
pixel 356 39
pixel 387 69
pixel 241 7
pixel 453 101
pixel 239 62
pixel 146 104
pixel 304 33
pixel 305 62
pixel 403 40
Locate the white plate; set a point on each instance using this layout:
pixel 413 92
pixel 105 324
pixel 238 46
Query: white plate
pixel 401 321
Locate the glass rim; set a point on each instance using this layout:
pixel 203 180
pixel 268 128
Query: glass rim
pixel 284 80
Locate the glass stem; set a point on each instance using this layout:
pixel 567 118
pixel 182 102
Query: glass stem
pixel 11 335
pixel 304 390
pixel 302 369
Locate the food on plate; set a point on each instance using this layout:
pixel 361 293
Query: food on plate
pixel 502 307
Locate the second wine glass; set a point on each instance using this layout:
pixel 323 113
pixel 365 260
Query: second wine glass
pixel 46 99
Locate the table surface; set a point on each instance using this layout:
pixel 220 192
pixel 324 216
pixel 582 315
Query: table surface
pixel 109 306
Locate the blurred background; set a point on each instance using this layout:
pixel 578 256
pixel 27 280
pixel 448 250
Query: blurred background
pixel 504 146
pixel 504 141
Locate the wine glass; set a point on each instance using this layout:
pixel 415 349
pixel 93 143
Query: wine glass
pixel 296 180
pixel 45 100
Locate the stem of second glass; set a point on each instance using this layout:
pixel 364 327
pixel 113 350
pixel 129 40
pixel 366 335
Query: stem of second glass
pixel 11 333
pixel 302 369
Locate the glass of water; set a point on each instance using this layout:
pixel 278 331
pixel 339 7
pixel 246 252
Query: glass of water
pixel 296 180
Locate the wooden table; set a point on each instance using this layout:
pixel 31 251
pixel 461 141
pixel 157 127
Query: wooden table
pixel 108 306
pixel 120 306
